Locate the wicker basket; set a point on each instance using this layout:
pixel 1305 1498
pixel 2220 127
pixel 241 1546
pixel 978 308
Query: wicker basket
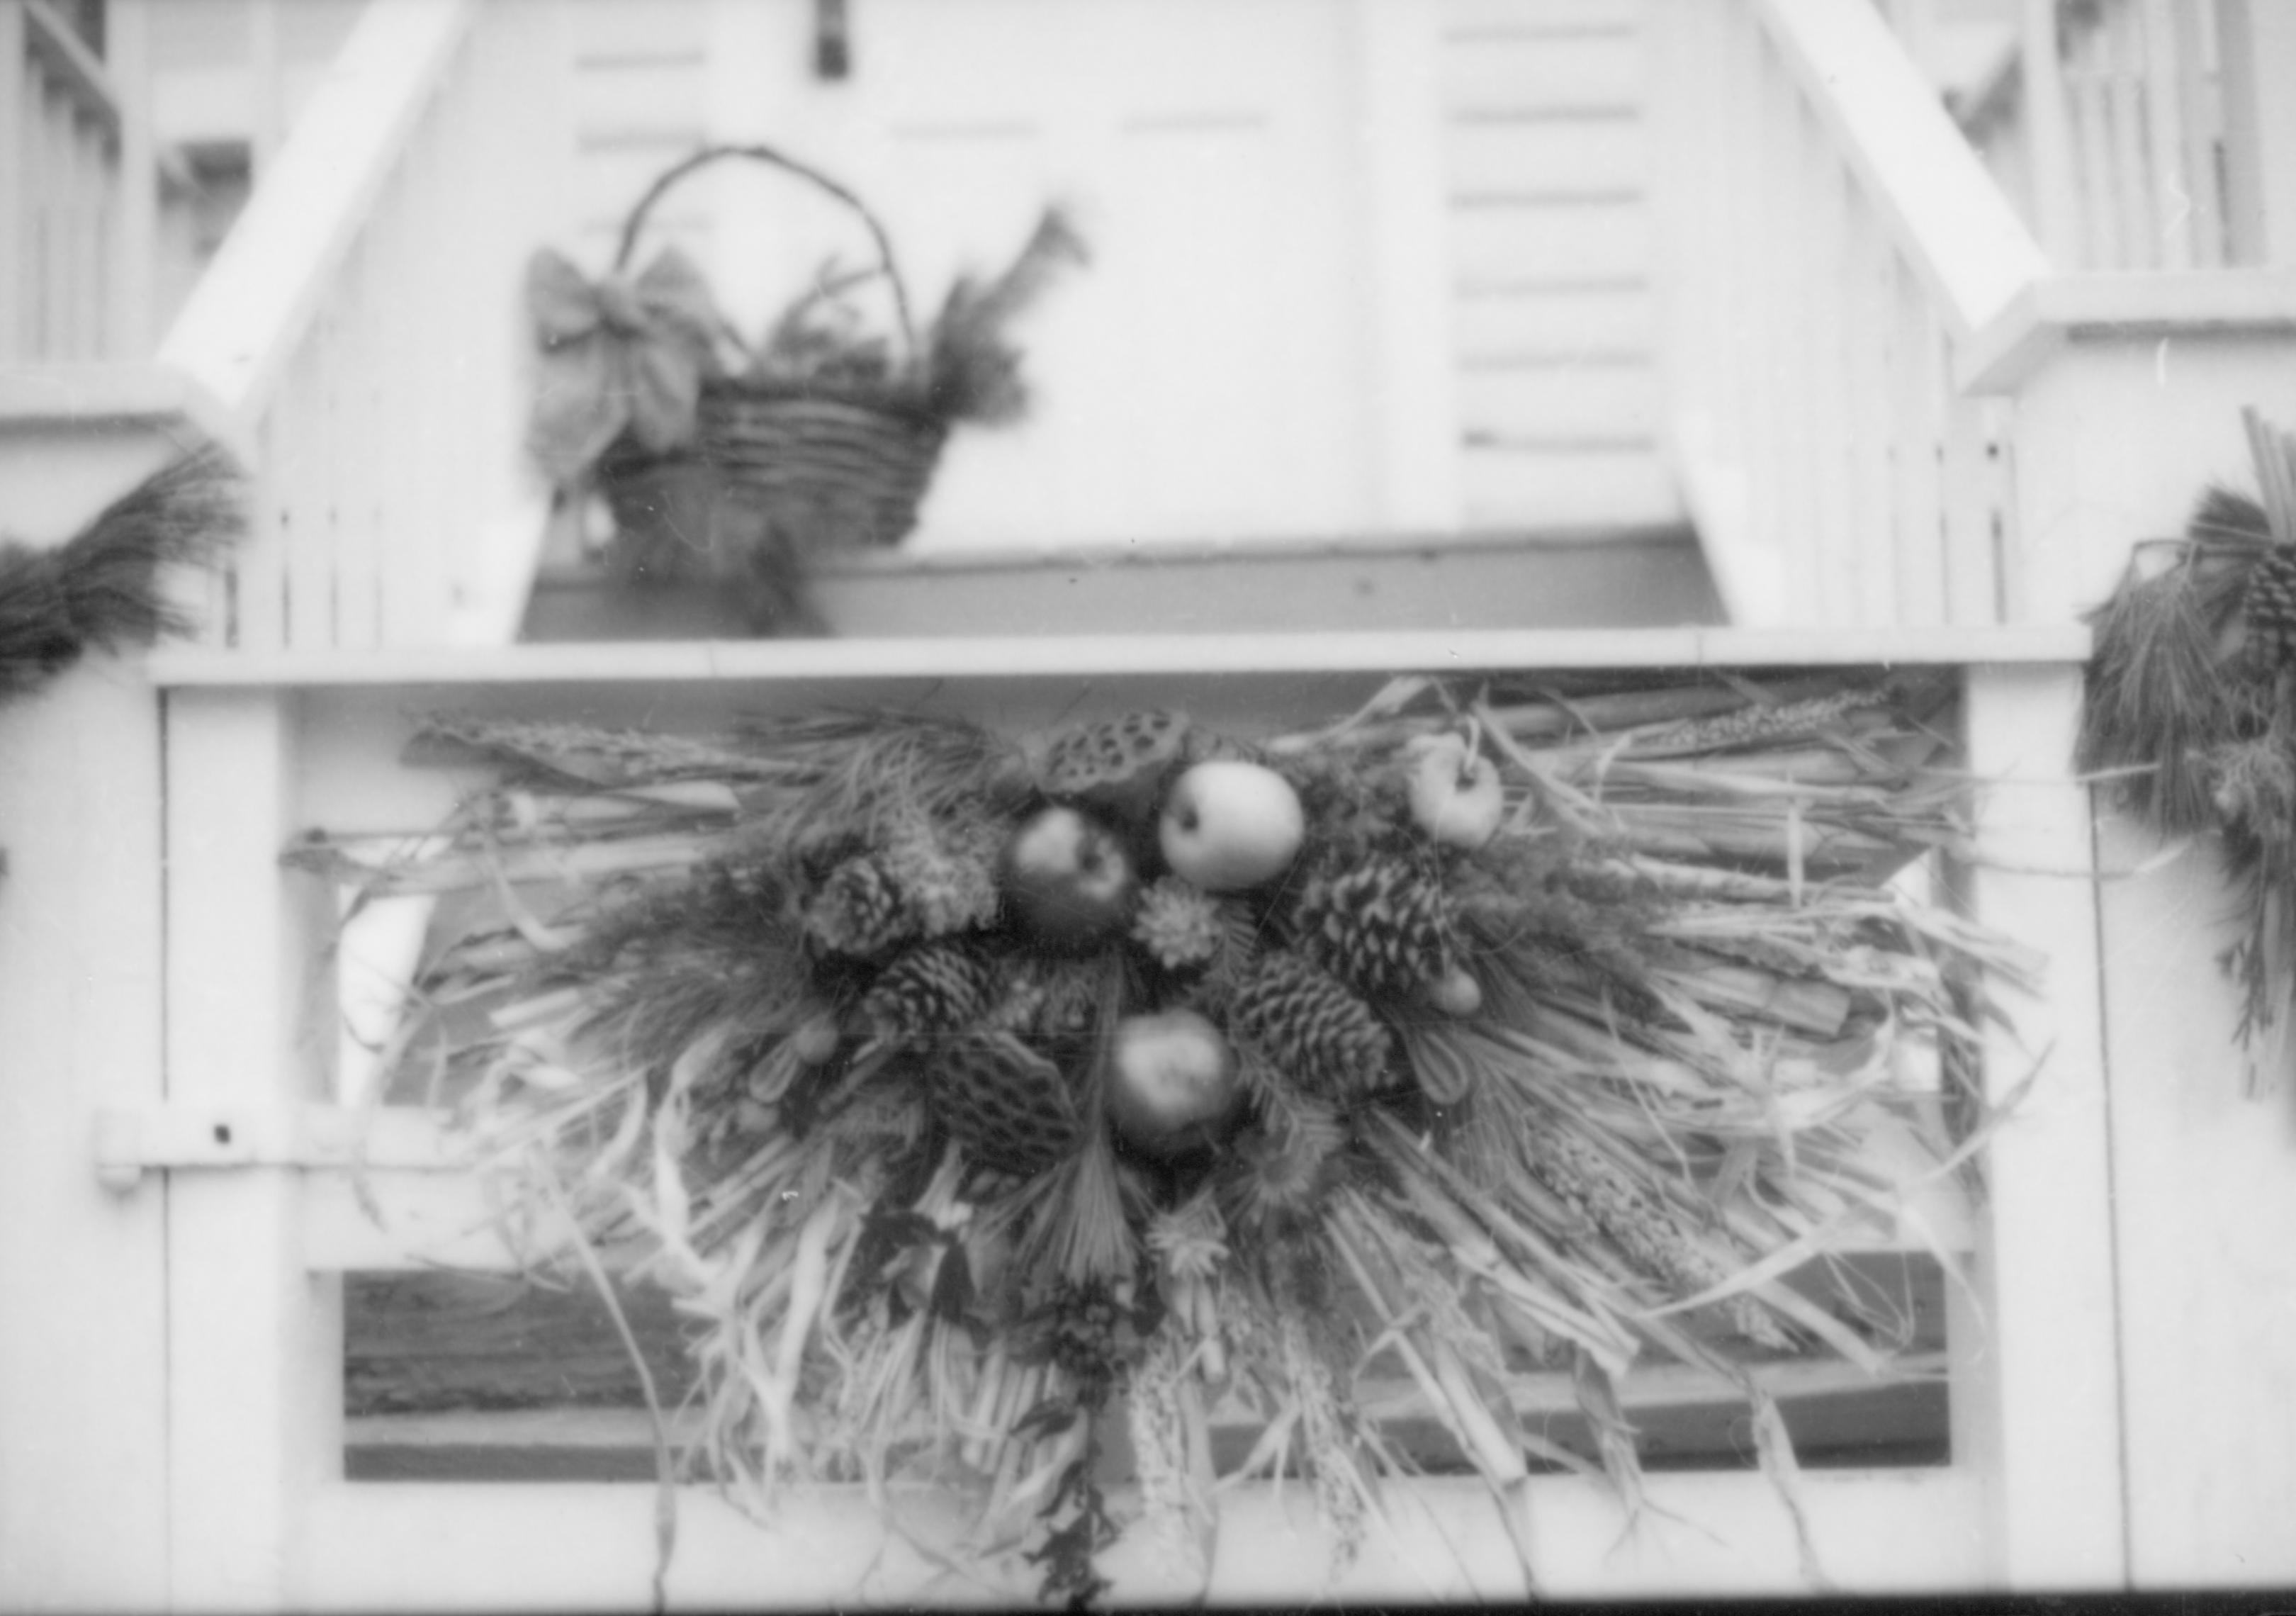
pixel 779 474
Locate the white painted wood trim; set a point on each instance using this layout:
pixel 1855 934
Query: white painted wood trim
pixel 1913 165
pixel 2204 1168
pixel 1415 408
pixel 592 1546
pixel 2257 39
pixel 254 1351
pixel 134 257
pixel 71 65
pixel 134 1139
pixel 1748 574
pixel 246 318
pixel 2037 1400
pixel 83 1349
pixel 1054 656
pixel 2045 123
pixel 2007 349
pixel 112 396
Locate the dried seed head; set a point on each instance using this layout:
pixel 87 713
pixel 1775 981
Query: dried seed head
pixel 1178 925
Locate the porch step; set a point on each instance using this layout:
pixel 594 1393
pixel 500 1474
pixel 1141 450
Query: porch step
pixel 1621 577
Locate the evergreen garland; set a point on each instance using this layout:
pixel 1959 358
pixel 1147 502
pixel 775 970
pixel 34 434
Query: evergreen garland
pixel 2189 715
pixel 100 589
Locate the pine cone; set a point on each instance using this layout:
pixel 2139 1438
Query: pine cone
pixel 2268 608
pixel 1007 1106
pixel 858 911
pixel 1311 1027
pixel 1382 925
pixel 946 873
pixel 930 990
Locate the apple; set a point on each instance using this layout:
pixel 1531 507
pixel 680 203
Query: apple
pixel 815 1038
pixel 1228 825
pixel 1456 796
pixel 1457 993
pixel 1068 878
pixel 1172 1083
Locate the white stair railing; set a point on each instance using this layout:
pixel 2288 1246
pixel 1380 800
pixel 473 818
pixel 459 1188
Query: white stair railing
pixel 1832 240
pixel 361 329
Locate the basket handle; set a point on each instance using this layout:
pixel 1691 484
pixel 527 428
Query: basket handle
pixel 779 160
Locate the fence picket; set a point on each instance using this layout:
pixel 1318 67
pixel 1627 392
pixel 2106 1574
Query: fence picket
pixel 254 1352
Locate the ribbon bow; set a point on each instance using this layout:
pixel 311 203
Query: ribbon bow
pixel 615 354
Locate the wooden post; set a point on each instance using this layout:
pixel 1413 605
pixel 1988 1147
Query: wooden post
pixel 2258 40
pixel 2136 409
pixel 13 196
pixel 2117 433
pixel 2048 134
pixel 254 1351
pixel 83 1333
pixel 131 321
pixel 2036 1399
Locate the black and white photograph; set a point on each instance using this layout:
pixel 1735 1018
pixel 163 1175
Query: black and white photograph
pixel 1095 804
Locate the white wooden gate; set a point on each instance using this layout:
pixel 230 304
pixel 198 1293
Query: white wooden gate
pixel 249 1159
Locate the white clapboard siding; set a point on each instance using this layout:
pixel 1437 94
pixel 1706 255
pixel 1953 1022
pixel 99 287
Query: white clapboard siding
pixel 1541 241
pixel 1511 324
pixel 1558 401
pixel 1538 73
pixel 1545 171
pixel 1538 157
pixel 638 95
pixel 1515 485
pixel 1553 19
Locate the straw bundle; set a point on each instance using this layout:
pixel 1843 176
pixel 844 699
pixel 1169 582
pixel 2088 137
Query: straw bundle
pixel 738 1006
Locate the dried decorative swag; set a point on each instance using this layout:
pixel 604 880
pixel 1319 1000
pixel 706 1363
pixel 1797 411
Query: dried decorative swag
pixel 967 1088
pixel 2190 710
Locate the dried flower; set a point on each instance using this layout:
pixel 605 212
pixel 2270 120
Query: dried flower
pixel 1178 925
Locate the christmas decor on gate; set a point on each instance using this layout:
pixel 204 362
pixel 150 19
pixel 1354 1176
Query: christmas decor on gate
pixel 977 1093
pixel 2190 710
pixel 741 463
